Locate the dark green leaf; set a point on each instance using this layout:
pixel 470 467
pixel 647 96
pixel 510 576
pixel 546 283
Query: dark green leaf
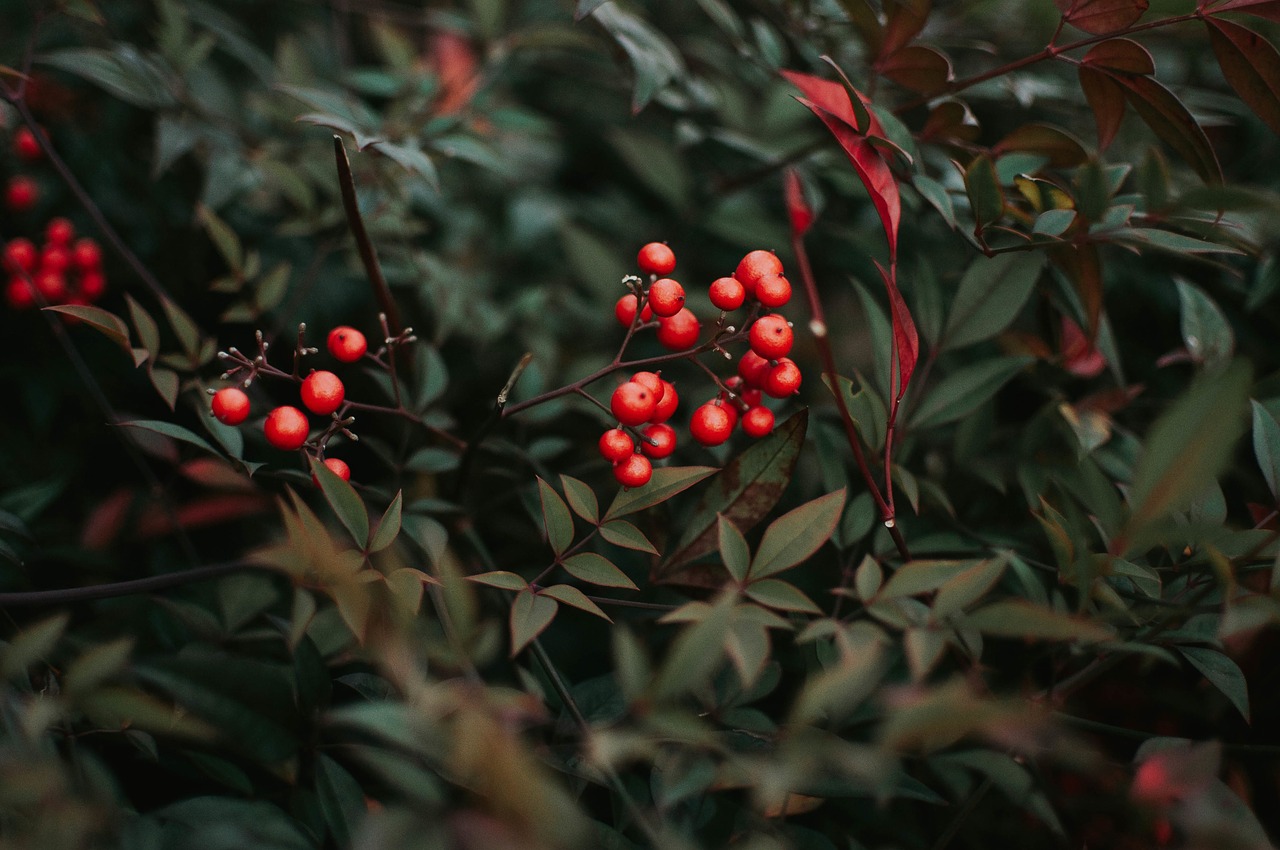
pixel 530 616
pixel 1251 65
pixel 168 429
pixel 654 58
pixel 923 576
pixel 1164 240
pixel 784 596
pixel 344 500
pixel 573 597
pixel 1022 619
pixel 990 296
pixel 1205 330
pixel 961 392
pixel 581 498
pixel 797 534
pixel 388 527
pixel 983 187
pixel 619 532
pixel 341 799
pixel 666 482
pixel 596 569
pixel 555 518
pixel 108 324
pixel 32 644
pixel 121 71
pixel 501 579
pixel 1223 673
pixel 733 549
pixel 1266 447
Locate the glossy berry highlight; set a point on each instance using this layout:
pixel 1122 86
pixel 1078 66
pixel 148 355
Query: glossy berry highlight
pixel 286 428
pixel 783 380
pixel 660 441
pixel 230 405
pixel 727 293
pixel 771 337
pixel 668 401
pixel 666 297
pixel 757 422
pixel 680 331
pixel 323 392
pixel 656 258
pixel 711 424
pixel 625 310
pixel 773 290
pixel 635 471
pixel 616 445
pixel 633 403
pixel 346 344
pixel 755 266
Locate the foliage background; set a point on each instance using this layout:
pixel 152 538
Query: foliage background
pixel 521 159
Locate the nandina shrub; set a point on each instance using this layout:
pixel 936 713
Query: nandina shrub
pixel 653 424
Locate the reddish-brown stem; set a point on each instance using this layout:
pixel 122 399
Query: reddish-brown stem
pixel 364 244
pixel 818 326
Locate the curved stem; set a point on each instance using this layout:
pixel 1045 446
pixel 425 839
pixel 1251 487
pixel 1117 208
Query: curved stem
pixel 122 588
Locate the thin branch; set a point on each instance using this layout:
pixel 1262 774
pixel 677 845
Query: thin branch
pixel 122 588
pixel 495 415
pixel 368 256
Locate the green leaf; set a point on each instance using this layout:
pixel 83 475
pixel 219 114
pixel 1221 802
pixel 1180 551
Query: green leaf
pixel 963 391
pixel 121 71
pixel 168 429
pixel 581 498
pixel 796 535
pixel 665 483
pixel 619 532
pixel 596 569
pixel 1266 447
pixel 697 651
pixel 968 587
pixel 923 648
pixel 868 578
pixel 866 408
pixel 745 492
pixel 530 616
pixel 555 518
pixel 733 549
pixel 983 187
pixel 411 158
pixel 936 194
pixel 341 799
pixel 923 576
pixel 1164 240
pixel 1018 618
pixel 96 666
pixel 1205 330
pixel 148 330
pixel 32 644
pixel 1052 223
pixel 502 579
pixel 108 324
pixel 224 238
pixel 784 596
pixel 344 500
pixel 990 296
pixel 570 595
pixel 389 526
pixel 1190 444
pixel 653 57
pixel 1251 65
pixel 1223 673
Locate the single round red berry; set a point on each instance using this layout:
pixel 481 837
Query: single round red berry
pixel 635 471
pixel 59 231
pixel 757 422
pixel 337 467
pixel 727 293
pixel 773 290
pixel 230 406
pixel 323 392
pixel 21 194
pixel 347 344
pixel 625 310
pixel 784 379
pixel 653 381
pixel 633 403
pixel 20 255
pixel 753 368
pixel 666 297
pixel 55 258
pixel 286 428
pixel 667 403
pixel 52 286
pixel 756 265
pixel 92 285
pixel 19 294
pixel 711 424
pixel 665 438
pixel 656 258
pixel 752 396
pixel 616 445
pixel 86 255
pixel 25 145
pixel 771 337
pixel 680 331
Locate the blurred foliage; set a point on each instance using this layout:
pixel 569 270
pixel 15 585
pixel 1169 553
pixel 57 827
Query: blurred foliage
pixel 500 649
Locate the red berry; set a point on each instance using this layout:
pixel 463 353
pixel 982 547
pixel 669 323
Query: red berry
pixel 784 379
pixel 756 265
pixel 286 428
pixel 773 290
pixel 59 231
pixel 727 293
pixel 230 406
pixel 711 424
pixel 635 471
pixel 19 294
pixel 347 344
pixel 625 311
pixel 21 194
pixel 55 258
pixel 771 337
pixel 322 392
pixel 753 368
pixel 92 285
pixel 752 397
pixel 25 145
pixel 616 445
pixel 680 331
pixel 656 258
pixel 732 410
pixel 664 436
pixel 633 403
pixel 337 467
pixel 757 422
pixel 52 286
pixel 653 381
pixel 667 403
pixel 86 255
pixel 20 255
pixel 666 297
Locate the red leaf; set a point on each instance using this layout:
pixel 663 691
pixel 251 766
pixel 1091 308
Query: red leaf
pixel 798 209
pixel 906 341
pixel 833 97
pixel 1062 148
pixel 1106 99
pixel 1252 67
pixel 1268 9
pixel 918 68
pixel 1170 120
pixel 951 119
pixel 906 19
pixel 1121 54
pixel 1080 356
pixel 1098 17
pixel 873 170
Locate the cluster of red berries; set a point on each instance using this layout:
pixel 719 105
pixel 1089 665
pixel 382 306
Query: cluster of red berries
pixel 21 192
pixel 64 270
pixel 649 400
pixel 286 427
